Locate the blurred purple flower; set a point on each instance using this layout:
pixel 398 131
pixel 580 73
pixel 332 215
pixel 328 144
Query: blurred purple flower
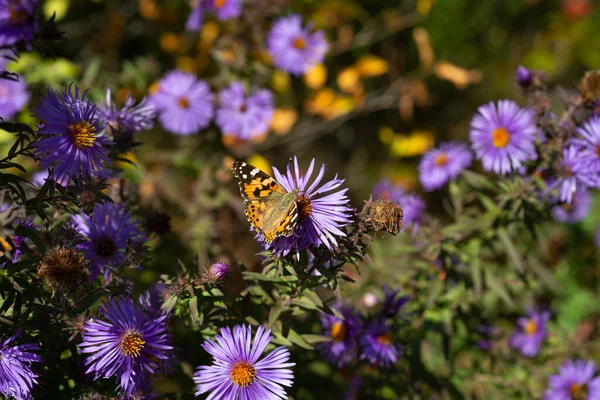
pixel 244 117
pixel 575 380
pixel 39 178
pixel 239 372
pixel 377 345
pixel 295 49
pixel 342 349
pixel 320 216
pixel 530 333
pixel 577 210
pixel 71 135
pixel 574 170
pixel 412 206
pixel 196 17
pixel 130 118
pixel 17 22
pixel 13 97
pixel 184 104
pixel 16 376
pixel 590 149
pixel 225 9
pixel 392 302
pixel 384 189
pixel 107 232
pixel 523 76
pixel 440 165
pixel 127 343
pixel 503 138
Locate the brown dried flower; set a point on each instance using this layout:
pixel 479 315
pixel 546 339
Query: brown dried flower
pixel 63 270
pixel 385 215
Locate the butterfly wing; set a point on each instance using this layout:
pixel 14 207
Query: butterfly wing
pixel 270 209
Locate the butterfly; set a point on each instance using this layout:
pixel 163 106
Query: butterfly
pixel 271 210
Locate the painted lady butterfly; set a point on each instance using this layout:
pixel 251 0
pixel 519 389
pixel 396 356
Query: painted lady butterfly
pixel 270 208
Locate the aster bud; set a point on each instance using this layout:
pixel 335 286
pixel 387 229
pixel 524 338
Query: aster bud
pixel 589 86
pixel 385 215
pixel 216 273
pixel 523 76
pixel 63 270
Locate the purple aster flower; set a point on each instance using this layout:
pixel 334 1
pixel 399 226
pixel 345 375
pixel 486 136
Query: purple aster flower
pixel 320 216
pixel 243 116
pixel 184 104
pixel 530 333
pixel 384 189
pixel 127 343
pixel 196 17
pixel 216 273
pixel 577 210
pixel 16 376
pixel 225 9
pixel 392 302
pixel 412 206
pixel 523 76
pixel 590 150
pixel 17 22
pixel 342 349
pixel 39 178
pixel 503 138
pixel 71 142
pixel 239 372
pixel 377 345
pixel 574 168
pixel 107 232
pixel 130 118
pixel 295 49
pixel 13 97
pixel 439 166
pixel 575 380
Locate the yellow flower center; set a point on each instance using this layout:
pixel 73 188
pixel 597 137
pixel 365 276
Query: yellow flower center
pixel 82 134
pixel 338 331
pixel 598 151
pixel 500 137
pixel 304 206
pixel 299 43
pixel 531 327
pixel 441 160
pixel 578 391
pixel 184 102
pixel 155 87
pixel 132 344
pixel 384 339
pixel 243 374
pixel 15 14
pixel 220 3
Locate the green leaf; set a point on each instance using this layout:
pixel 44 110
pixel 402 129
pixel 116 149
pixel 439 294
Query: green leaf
pixel 314 339
pixel 497 288
pixel 169 304
pixel 299 340
pixel 32 234
pixel 279 339
pixel 275 312
pixel 513 254
pixel 194 309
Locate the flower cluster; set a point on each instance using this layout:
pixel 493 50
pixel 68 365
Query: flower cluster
pixel 224 10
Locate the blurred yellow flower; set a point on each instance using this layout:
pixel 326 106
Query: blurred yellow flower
pixel 342 105
pixel 316 77
pixel 149 9
pixel 169 42
pixel 320 102
pixel 262 56
pixel 280 81
pixel 208 35
pixel 424 6
pixel 58 8
pixel 426 54
pixel 371 65
pixel 459 76
pixel 260 162
pixel 349 80
pixel 283 120
pixel 414 144
pixel 186 63
pixel 386 134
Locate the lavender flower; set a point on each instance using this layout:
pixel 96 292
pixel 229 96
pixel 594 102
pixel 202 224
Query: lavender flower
pixel 377 345
pixel 577 210
pixel 574 170
pixel 523 76
pixel 238 372
pixel 392 303
pixel 225 9
pixel 439 166
pixel 503 138
pixel 196 17
pixel 590 150
pixel 130 118
pixel 244 117
pixel 575 380
pixel 216 273
pixel 184 104
pixel 412 206
pixel 384 189
pixel 17 22
pixel 342 349
pixel 71 142
pixel 295 49
pixel 320 216
pixel 107 233
pixel 530 333
pixel 13 97
pixel 127 343
pixel 16 376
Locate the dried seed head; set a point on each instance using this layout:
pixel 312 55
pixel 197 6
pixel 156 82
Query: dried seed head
pixel 385 215
pixel 589 87
pixel 63 270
